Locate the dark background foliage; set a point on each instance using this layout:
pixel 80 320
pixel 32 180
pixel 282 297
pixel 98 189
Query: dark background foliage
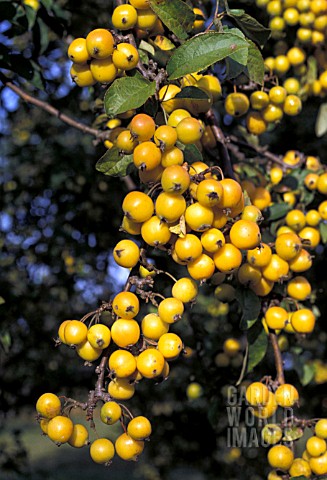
pixel 59 220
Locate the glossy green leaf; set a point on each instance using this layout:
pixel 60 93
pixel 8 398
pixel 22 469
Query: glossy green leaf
pixel 43 35
pixel 192 154
pixel 233 69
pixel 114 164
pixel 277 210
pixel 176 15
pixel 241 56
pixel 31 15
pixel 202 51
pixel 127 93
pixel 258 344
pixel 250 26
pixel 147 47
pixel 192 92
pixel 250 305
pixel 255 64
pixel 47 3
pixel 323 232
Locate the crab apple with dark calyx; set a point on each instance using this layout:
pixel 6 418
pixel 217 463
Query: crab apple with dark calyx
pixel 126 253
pixel 100 43
pixel 122 363
pixel 150 363
pixel 202 268
pixel 155 231
pixel 142 127
pixel 125 56
pixel 146 156
pixel 170 206
pixel 78 52
pixel 110 412
pixel 124 17
pixel 170 346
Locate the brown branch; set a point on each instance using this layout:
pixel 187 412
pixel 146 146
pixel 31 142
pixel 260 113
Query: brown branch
pixel 233 141
pixel 280 378
pixel 52 110
pixel 222 144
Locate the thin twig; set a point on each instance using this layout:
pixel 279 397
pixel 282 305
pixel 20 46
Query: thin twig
pixel 101 135
pixel 280 378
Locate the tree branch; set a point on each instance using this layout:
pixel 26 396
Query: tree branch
pixel 222 144
pixel 101 135
pixel 233 141
pixel 280 378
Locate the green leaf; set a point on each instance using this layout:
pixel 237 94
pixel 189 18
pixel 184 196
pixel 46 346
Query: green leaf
pixel 47 3
pixel 147 47
pixel 202 51
pixel 291 434
pixel 250 305
pixel 59 12
pixel 302 477
pixel 255 64
pixel 127 93
pixel 241 56
pixel 307 374
pixel 31 15
pixel 312 72
pixel 233 69
pixel 192 92
pixel 2 300
pixel 277 210
pixel 321 122
pixel 176 15
pixel 192 154
pixel 323 232
pixel 250 26
pixel 5 340
pixel 43 32
pixel 258 344
pixel 37 79
pixel 144 57
pixel 112 163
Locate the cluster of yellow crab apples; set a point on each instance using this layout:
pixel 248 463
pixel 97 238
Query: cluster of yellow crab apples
pixel 264 403
pixel 96 58
pixel 61 429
